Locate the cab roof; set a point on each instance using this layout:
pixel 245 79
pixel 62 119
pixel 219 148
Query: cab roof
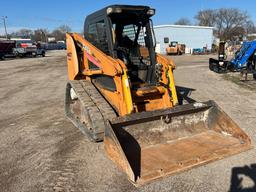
pixel 115 8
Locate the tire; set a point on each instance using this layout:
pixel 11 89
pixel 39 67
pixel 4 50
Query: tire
pixel 16 54
pixel 214 66
pixel 2 57
pixel 43 54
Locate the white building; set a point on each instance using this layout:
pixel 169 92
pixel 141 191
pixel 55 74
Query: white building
pixel 192 36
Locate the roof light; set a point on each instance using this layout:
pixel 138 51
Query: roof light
pixel 151 12
pixel 118 10
pixel 113 10
pixel 109 10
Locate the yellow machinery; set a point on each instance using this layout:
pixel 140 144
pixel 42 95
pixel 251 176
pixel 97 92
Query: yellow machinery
pixel 175 48
pixel 122 92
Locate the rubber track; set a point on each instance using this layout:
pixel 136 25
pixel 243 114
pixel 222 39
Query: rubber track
pixel 105 109
pixel 96 107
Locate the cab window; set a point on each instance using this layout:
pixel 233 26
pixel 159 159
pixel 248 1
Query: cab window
pixel 97 34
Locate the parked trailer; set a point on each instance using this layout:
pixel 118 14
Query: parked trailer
pixel 6 47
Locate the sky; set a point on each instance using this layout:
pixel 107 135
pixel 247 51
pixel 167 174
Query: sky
pixel 50 14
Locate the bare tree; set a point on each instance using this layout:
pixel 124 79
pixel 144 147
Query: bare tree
pixel 60 32
pixel 228 23
pixel 206 17
pixel 59 36
pixel 183 21
pixel 23 33
pixel 64 28
pixel 40 35
pixel 250 27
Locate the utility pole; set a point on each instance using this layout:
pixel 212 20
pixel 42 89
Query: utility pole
pixel 45 38
pixel 4 18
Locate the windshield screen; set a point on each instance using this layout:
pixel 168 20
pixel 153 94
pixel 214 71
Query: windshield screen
pixel 133 42
pixel 173 44
pixel 133 34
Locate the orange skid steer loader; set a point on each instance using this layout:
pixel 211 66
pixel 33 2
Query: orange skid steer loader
pixel 122 92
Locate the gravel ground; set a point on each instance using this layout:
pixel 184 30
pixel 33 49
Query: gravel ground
pixel 40 150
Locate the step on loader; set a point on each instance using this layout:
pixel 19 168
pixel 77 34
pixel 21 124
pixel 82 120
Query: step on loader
pixel 122 92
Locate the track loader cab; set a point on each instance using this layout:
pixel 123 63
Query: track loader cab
pixel 125 32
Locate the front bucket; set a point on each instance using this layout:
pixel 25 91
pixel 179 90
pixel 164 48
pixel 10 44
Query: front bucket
pixel 151 145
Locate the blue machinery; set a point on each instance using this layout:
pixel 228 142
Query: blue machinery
pixel 244 60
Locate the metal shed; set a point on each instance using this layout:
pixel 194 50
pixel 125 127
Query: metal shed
pixel 192 36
